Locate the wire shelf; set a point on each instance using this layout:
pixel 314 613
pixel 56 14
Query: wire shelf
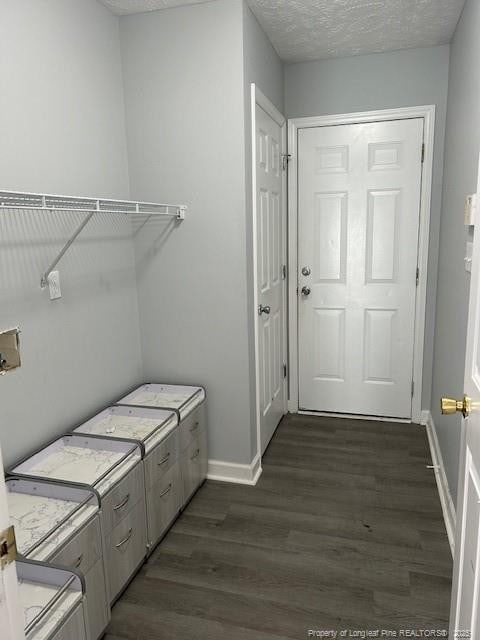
pixel 47 202
pixel 24 201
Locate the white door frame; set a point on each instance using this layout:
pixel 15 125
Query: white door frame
pixel 428 115
pixel 11 612
pixel 258 98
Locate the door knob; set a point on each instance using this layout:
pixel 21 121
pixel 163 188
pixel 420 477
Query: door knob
pixel 263 309
pixel 306 291
pixel 450 405
pixel 306 271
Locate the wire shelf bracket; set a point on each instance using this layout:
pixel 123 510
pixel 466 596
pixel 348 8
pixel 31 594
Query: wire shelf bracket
pixel 24 201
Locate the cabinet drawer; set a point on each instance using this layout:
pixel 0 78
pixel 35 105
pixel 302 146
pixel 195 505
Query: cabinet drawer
pixel 194 465
pixel 161 459
pixel 97 607
pixel 126 548
pixel 83 550
pixel 191 426
pixel 123 497
pixel 72 629
pixel 164 500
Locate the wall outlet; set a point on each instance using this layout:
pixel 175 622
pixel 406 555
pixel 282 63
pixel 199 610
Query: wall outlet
pixel 54 285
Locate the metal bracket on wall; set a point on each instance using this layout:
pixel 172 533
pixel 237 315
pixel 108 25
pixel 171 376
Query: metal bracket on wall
pixel 8 547
pixel 15 200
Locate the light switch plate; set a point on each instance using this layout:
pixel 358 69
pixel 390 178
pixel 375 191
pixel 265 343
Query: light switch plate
pixel 54 285
pixel 470 209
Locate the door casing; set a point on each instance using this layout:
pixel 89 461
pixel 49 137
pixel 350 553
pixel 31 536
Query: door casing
pixel 294 124
pixel 258 98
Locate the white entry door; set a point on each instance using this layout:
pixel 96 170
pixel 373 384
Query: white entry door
pixel 11 612
pixel 358 216
pixel 466 583
pixel 270 234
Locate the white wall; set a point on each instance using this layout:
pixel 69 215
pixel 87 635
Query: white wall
pixel 184 87
pixel 62 131
pixel 462 146
pixel 383 81
pixel 263 67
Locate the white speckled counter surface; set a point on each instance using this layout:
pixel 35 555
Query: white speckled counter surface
pixel 82 460
pixel 35 596
pixel 182 398
pixel 134 427
pixel 34 516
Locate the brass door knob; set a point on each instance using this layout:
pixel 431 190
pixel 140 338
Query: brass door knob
pixel 450 405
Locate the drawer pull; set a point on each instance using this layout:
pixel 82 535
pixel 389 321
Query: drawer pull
pixel 167 490
pixel 78 562
pixel 195 426
pixel 164 460
pixel 195 455
pixel 126 539
pixel 121 504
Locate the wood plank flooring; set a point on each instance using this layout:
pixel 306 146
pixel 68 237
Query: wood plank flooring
pixel 344 530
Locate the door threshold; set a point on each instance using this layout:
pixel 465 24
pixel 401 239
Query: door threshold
pixel 353 416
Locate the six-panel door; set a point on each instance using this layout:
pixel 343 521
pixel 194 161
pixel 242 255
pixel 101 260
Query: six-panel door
pixel 270 283
pixel 359 201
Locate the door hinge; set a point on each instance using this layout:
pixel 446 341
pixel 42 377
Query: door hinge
pixel 8 547
pixel 417 277
pixel 284 271
pixel 423 152
pixel 286 157
pixel 284 370
pixel 413 388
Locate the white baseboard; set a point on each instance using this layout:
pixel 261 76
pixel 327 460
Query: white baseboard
pixel 234 472
pixel 448 508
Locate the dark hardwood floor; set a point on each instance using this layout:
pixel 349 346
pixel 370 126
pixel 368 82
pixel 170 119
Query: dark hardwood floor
pixel 344 530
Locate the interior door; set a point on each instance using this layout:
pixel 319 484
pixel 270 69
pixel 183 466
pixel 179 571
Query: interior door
pixel 270 228
pixel 358 215
pixel 466 583
pixel 11 612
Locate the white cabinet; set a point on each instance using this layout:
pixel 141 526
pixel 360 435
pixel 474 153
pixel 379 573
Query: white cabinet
pixel 114 468
pixel 194 465
pixel 164 500
pixel 169 424
pixel 52 601
pixel 104 496
pixel 61 524
pixel 189 404
pixel 125 549
pixel 161 459
pixel 124 529
pixel 84 553
pixel 122 498
pixel 73 628
pixel 191 426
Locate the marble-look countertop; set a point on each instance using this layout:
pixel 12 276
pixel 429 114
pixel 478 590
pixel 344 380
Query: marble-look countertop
pixel 35 516
pixel 34 596
pixel 132 427
pixel 117 426
pixel 84 465
pixel 160 399
pixel 166 400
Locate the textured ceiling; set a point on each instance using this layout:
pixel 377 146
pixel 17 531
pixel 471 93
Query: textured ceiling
pixel 313 29
pixel 124 7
